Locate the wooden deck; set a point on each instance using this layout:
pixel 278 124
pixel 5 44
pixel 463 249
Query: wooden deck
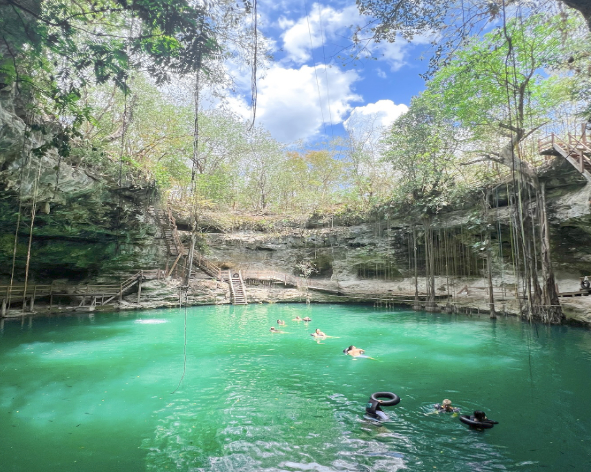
pixel 90 295
pixel 578 293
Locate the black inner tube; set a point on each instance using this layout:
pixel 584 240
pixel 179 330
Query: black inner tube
pixel 394 399
pixel 470 421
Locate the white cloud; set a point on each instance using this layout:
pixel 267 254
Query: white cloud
pixel 289 105
pixel 381 74
pixel 323 24
pixel 366 124
pixel 393 53
pixel 285 23
pixel 329 27
pixel 383 113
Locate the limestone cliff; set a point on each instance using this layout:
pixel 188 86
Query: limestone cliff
pixel 86 224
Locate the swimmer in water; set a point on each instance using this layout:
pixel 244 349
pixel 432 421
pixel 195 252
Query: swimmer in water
pixel 297 318
pixel 318 334
pixel 275 330
pixel 374 410
pixel 445 406
pixel 307 318
pixel 353 351
pixel 281 322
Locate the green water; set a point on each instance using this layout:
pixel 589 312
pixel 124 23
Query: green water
pixel 95 393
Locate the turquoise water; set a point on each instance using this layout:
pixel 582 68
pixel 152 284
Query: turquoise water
pixel 100 393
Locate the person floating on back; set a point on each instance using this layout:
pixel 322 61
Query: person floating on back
pixel 281 322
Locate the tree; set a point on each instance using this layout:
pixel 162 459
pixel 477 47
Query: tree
pixel 421 146
pixel 262 170
pixel 499 86
pixel 450 21
pixel 51 50
pixel 371 179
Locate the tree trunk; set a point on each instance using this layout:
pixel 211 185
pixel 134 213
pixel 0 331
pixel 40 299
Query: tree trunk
pixel 552 311
pixel 491 297
pixel 416 305
pixel 429 266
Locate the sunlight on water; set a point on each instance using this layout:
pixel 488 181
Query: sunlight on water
pixel 100 393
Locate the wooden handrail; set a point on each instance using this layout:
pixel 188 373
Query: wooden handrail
pixel 231 285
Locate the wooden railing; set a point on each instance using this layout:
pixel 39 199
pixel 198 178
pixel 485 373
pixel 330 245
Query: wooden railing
pixel 125 285
pixel 175 235
pixel 207 266
pixel 576 150
pixel 286 279
pixel 106 292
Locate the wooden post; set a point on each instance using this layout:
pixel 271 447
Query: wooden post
pixel 3 307
pixel 120 292
pixel 51 295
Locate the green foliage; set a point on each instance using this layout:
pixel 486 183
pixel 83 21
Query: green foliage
pixel 421 146
pixel 504 76
pixel 52 50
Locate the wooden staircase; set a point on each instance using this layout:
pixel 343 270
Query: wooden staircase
pixel 576 150
pixel 126 285
pixel 237 287
pixel 169 232
pixel 177 249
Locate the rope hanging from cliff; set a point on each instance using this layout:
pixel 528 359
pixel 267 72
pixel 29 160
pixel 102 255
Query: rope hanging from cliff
pixel 184 350
pixel 124 124
pixel 253 77
pixel 33 213
pixel 22 178
pixel 315 69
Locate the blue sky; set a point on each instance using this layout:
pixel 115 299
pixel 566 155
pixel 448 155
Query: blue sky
pixel 306 87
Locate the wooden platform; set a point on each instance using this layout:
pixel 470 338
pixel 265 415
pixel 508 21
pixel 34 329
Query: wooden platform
pixel 578 293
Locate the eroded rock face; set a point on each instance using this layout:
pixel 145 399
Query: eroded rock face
pixel 84 225
pixel 89 227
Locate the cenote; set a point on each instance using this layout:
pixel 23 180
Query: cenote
pixel 102 393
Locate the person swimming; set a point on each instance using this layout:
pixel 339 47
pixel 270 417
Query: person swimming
pixel 318 334
pixel 297 318
pixel 374 410
pixel 445 406
pixel 353 351
pixel 275 330
pixel 281 322
pixel 307 318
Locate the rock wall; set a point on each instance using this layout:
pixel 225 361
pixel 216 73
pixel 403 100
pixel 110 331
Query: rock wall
pixel 89 226
pixel 85 225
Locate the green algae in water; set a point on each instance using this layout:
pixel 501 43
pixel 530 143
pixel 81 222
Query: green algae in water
pixel 94 393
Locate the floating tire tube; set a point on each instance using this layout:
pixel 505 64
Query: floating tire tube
pixel 470 421
pixel 394 399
